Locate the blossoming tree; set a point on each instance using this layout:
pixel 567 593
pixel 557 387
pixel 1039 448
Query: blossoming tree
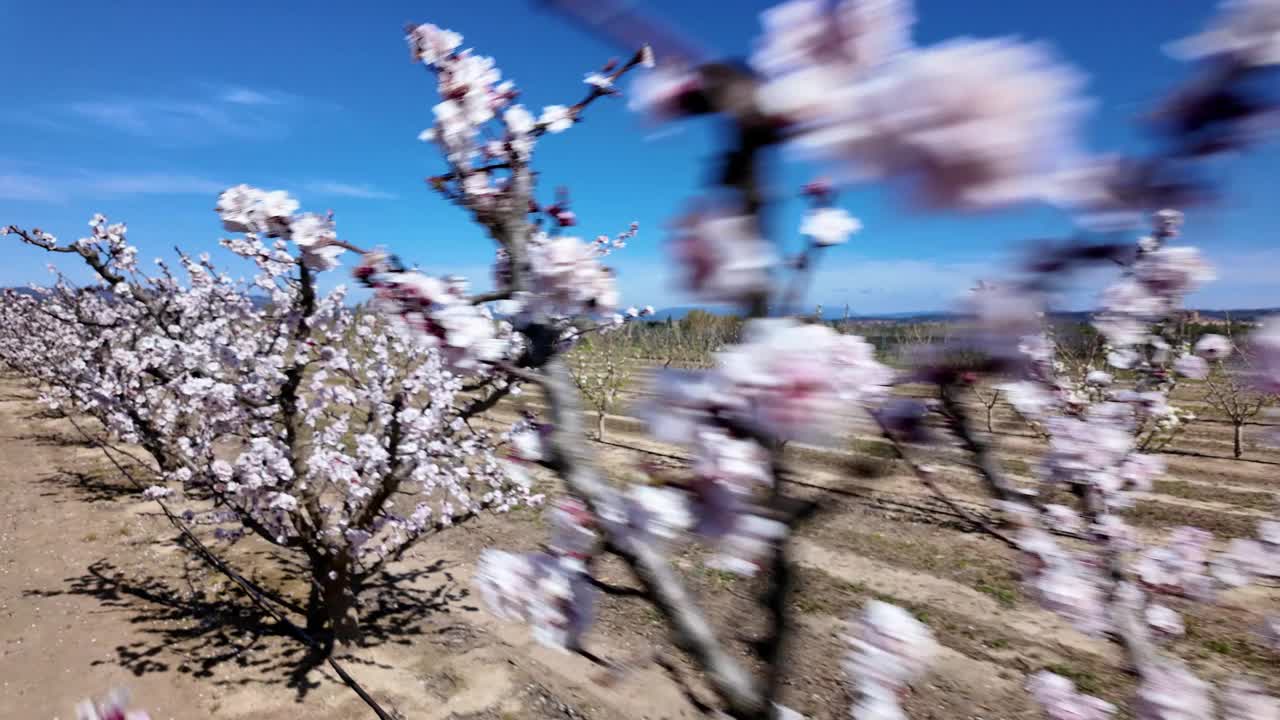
pixel 276 410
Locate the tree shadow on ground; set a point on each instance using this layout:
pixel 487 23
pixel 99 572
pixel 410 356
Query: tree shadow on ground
pixel 210 630
pixel 88 486
pixel 1213 456
pixel 55 439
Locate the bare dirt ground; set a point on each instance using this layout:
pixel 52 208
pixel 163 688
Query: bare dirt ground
pixel 95 592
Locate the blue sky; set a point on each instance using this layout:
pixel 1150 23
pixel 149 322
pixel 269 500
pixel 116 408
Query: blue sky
pixel 144 111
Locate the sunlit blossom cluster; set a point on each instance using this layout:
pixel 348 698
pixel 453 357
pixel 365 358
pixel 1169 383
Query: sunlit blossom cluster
pixel 246 209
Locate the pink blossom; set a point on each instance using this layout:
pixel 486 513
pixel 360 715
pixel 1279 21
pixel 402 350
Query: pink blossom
pixel 1063 518
pixel 662 513
pixel 741 464
pixel 157 492
pixel 681 403
pixel 1173 271
pixel 1192 366
pixel 931 115
pixel 1062 582
pixel 568 278
pixel 555 599
pixel 1099 378
pixel 574 535
pixel 315 235
pixel 1164 620
pixel 742 549
pixel 1264 344
pixel 1060 700
pixel 1247 700
pixel 793 374
pixel 598 80
pixel 810 49
pixel 1169 691
pixel 888 649
pixel 723 256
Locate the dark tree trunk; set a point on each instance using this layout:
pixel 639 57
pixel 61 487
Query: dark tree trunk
pixel 332 615
pixel 600 427
pixel 315 613
pixel 1237 440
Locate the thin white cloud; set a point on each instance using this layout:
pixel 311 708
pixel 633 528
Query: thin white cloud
pixel 236 112
pixel 249 96
pixel 153 184
pixel 122 116
pixel 57 188
pixel 669 131
pixel 348 190
pixel 29 188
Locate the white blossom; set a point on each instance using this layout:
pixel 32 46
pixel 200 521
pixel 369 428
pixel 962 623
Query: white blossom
pixel 556 118
pixel 829 226
pixel 1213 347
pixel 723 256
pixel 888 649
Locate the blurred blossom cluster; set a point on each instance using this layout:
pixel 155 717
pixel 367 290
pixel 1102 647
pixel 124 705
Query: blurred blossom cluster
pixel 568 277
pixel 1247 31
pixel 969 123
pixel 723 256
pixel 114 707
pixel 550 590
pixel 888 650
pixel 436 310
pixel 1061 701
pixel 1170 690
